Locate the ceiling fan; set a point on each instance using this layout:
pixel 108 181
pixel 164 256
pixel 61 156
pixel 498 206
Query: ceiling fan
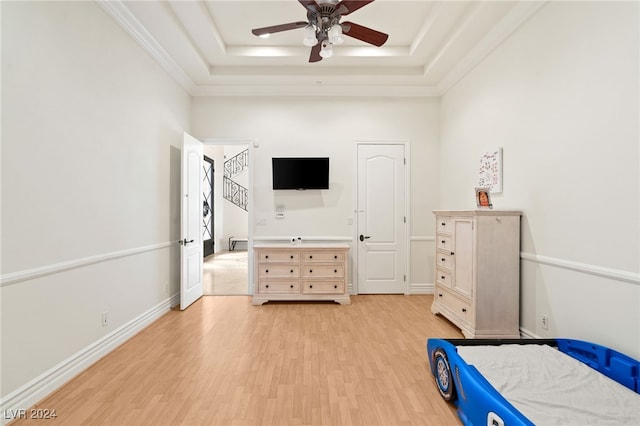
pixel 323 28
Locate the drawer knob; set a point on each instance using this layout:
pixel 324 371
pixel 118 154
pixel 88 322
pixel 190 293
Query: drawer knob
pixel 267 286
pixel 335 286
pixel 443 224
pixel 439 294
pixel 335 271
pixel 442 277
pixel 443 241
pixel 291 286
pixel 464 309
pixel 310 257
pixel 291 256
pixel 335 257
pixel 291 271
pixel 310 270
pixel 442 259
pixel 452 253
pixel 267 256
pixel 266 271
pixel 311 286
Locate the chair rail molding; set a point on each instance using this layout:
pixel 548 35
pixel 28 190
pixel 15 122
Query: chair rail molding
pixel 41 271
pixel 614 274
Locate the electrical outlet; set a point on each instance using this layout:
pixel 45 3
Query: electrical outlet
pixel 544 322
pixel 105 319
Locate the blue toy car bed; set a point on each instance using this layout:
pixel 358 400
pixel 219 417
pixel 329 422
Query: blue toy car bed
pixel 536 381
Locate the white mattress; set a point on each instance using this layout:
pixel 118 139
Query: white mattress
pixel 551 388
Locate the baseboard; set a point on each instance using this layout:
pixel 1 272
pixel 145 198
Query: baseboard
pixel 527 334
pixel 421 288
pixel 49 381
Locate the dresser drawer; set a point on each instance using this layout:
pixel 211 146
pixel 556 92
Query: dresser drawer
pixel 444 259
pixel 279 256
pixel 274 287
pixel 278 271
pixel 444 242
pixel 323 256
pixel 323 271
pixel 443 277
pixel 323 287
pixel 444 225
pixel 461 308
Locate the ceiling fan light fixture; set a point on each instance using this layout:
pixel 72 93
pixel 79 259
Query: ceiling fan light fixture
pixel 310 39
pixel 335 34
pixel 327 49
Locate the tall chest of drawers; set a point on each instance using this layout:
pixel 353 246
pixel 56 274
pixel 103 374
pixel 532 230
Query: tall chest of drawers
pixel 301 272
pixel 477 271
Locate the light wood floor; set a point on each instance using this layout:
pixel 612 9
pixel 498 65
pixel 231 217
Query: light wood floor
pixel 226 362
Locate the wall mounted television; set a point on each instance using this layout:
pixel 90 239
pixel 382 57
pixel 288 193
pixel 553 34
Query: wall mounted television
pixel 300 172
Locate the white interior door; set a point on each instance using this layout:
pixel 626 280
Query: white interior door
pixel 381 218
pixel 191 288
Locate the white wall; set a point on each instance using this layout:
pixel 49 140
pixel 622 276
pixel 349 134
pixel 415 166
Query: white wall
pixel 330 127
pixel 561 98
pixel 91 134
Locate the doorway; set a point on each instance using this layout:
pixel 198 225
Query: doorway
pixel 382 204
pixel 227 270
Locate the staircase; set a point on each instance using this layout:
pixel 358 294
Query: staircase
pixel 233 191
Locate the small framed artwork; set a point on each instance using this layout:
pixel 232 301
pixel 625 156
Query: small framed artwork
pixel 483 198
pixel 490 172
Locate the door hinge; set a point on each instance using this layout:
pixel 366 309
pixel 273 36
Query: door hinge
pixel 404 161
pixel 405 219
pixel 404 278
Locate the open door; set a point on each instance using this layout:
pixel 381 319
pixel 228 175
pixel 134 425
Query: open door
pixel 191 288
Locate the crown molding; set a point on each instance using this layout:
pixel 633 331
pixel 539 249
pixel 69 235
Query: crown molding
pixel 277 90
pixel 121 14
pixel 520 13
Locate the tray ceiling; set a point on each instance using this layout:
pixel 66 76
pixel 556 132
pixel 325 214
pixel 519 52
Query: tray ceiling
pixel 207 46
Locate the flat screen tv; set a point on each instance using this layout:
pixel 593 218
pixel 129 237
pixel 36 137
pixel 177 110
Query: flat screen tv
pixel 300 172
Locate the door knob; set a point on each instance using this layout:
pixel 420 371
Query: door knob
pixel 185 242
pixel 362 237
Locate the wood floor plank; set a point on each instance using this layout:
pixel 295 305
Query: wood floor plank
pixel 226 362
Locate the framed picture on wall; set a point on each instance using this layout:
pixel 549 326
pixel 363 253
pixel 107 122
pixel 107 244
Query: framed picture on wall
pixel 490 172
pixel 483 198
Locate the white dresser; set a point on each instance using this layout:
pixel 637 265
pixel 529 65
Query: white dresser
pixel 477 271
pixel 304 271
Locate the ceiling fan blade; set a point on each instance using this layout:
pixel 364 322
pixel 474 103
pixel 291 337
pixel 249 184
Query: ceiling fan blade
pixel 315 53
pixel 346 7
pixel 365 34
pixel 278 28
pixel 310 5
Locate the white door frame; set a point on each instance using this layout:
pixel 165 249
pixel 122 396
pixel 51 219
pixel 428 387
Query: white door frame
pixel 407 198
pixel 251 144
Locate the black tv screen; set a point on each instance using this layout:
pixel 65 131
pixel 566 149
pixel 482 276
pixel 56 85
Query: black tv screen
pixel 300 172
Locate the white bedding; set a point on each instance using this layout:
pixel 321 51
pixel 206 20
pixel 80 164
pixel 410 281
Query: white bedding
pixel 551 388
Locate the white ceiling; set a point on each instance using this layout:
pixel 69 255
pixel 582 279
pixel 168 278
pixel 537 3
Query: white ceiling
pixel 207 46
